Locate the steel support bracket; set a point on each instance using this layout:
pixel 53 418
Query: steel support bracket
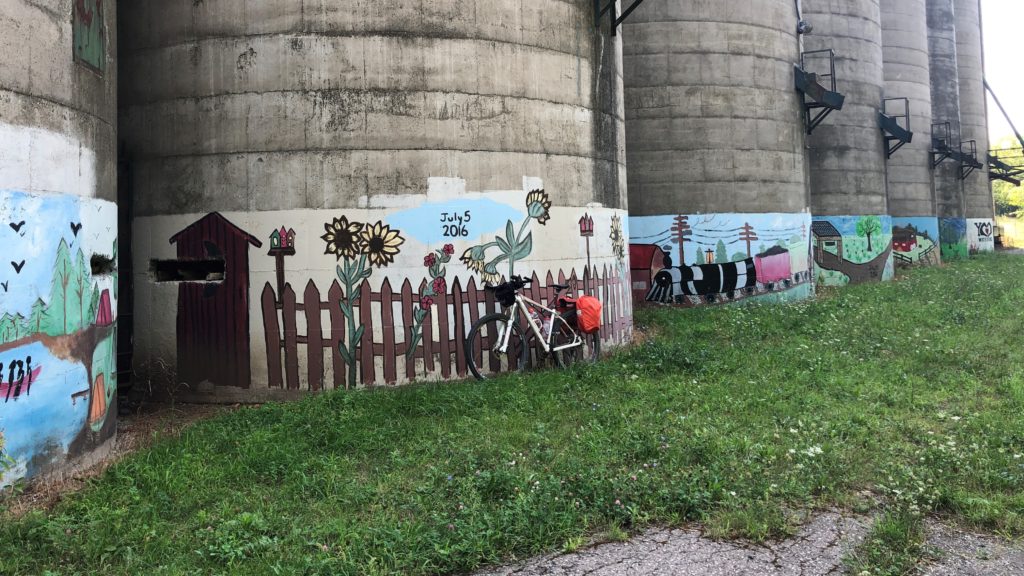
pixel 969 160
pixel 941 137
pixel 999 170
pixel 818 100
pixel 897 135
pixel 612 8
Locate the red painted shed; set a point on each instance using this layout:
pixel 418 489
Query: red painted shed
pixel 213 316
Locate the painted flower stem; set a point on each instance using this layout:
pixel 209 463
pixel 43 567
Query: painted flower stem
pixel 353 280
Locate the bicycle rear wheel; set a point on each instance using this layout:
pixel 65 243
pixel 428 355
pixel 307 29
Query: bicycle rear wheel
pixel 481 357
pixel 564 332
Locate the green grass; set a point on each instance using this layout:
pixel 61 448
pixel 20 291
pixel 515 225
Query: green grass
pixel 893 547
pixel 732 416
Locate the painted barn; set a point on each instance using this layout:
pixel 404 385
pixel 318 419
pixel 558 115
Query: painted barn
pixel 646 260
pixel 904 238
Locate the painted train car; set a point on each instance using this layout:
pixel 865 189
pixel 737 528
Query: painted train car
pixel 673 284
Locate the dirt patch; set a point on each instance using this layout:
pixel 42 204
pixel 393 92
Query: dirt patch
pixel 137 428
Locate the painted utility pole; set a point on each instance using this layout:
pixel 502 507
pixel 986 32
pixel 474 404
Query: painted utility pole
pixel 748 235
pixel 681 229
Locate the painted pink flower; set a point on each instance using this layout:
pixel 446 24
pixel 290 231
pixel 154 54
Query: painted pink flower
pixel 449 249
pixel 426 302
pixel 440 285
pixel 429 260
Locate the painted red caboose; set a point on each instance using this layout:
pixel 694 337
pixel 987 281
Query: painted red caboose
pixel 645 261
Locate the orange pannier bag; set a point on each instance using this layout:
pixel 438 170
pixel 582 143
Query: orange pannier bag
pixel 588 314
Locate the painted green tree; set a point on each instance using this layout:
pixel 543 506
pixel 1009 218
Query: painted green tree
pixel 37 316
pixel 66 312
pixel 867 227
pixel 721 256
pixel 8 329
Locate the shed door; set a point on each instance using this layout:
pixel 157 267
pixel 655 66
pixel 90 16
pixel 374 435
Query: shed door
pixel 213 316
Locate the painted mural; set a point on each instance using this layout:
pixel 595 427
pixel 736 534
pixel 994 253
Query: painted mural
pixel 88 34
pixel 58 374
pixel 378 295
pixel 980 235
pixel 713 258
pixel 852 249
pixel 953 236
pixel 916 241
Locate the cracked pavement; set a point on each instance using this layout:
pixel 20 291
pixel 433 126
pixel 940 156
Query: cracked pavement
pixel 818 549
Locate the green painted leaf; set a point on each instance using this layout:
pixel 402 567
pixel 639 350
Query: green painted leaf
pixel 504 246
pixel 525 248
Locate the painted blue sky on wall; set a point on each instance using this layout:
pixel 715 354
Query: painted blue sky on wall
pixel 708 229
pixel 847 225
pixel 923 225
pixel 431 223
pixel 31 228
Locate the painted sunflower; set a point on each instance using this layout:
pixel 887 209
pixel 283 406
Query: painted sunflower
pixel 473 258
pixel 343 238
pixel 380 243
pixel 491 276
pixel 539 206
pixel 617 238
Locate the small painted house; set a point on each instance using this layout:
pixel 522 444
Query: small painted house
pixel 773 265
pixel 827 239
pixel 646 260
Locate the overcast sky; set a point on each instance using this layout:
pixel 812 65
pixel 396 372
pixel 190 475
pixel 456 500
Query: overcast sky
pixel 1004 26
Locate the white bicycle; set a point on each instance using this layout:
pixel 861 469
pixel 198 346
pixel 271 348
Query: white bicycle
pixel 496 344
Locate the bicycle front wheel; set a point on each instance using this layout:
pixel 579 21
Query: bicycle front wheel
pixel 483 356
pixel 563 333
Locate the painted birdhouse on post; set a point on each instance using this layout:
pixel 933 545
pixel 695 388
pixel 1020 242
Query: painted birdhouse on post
pixel 586 226
pixel 282 242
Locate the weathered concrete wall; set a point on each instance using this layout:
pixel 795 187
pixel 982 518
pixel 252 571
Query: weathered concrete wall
pixel 235 105
pixel 852 230
pixel 846 152
pixel 973 105
pixel 432 142
pixel 907 75
pixel 945 79
pixel 713 123
pixel 59 232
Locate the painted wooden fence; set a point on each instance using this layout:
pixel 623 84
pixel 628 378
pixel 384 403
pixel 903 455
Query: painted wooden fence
pixel 387 315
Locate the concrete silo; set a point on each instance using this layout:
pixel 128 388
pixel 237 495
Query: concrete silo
pixel 324 187
pixel 58 165
pixel 715 148
pixel 908 89
pixel 852 232
pixel 979 204
pixel 945 79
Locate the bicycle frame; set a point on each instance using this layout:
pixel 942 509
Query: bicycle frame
pixel 521 305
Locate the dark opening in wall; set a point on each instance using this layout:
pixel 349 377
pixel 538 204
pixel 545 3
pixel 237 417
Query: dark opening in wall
pixel 187 270
pixel 102 265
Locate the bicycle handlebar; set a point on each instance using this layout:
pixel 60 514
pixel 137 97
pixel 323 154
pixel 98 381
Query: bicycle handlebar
pixel 515 283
